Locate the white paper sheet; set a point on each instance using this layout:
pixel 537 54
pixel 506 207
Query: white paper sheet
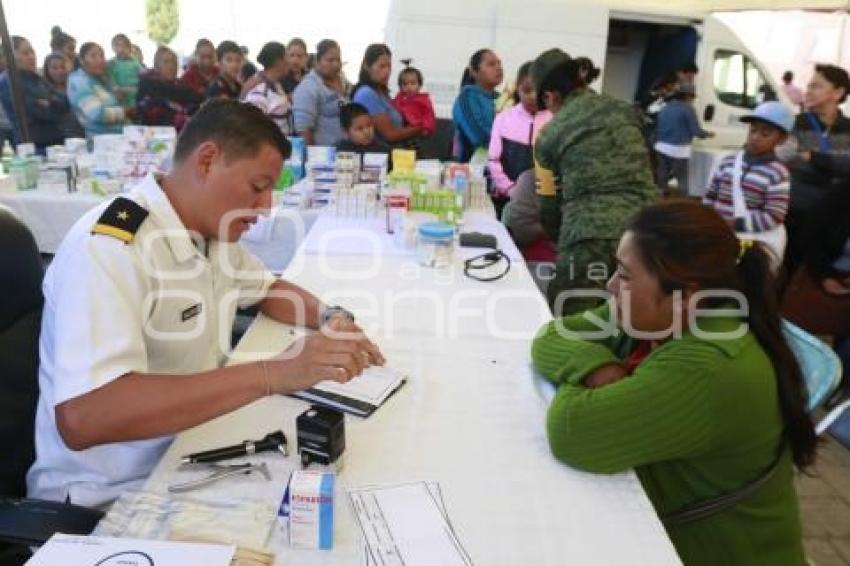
pixel 406 524
pixel 71 550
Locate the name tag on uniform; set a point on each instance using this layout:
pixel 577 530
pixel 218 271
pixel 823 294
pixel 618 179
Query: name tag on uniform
pixel 191 312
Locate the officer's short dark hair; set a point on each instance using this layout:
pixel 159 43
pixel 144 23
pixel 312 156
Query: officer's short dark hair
pixel 238 128
pixel 348 112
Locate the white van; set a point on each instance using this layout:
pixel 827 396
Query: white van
pixel 633 47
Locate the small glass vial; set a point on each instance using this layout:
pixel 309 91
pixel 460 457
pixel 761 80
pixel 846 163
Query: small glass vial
pixel 435 245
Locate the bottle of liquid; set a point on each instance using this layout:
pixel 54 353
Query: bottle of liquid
pixel 6 156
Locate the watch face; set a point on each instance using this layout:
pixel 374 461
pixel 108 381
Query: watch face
pixel 333 311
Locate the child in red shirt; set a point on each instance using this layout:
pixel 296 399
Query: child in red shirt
pixel 414 106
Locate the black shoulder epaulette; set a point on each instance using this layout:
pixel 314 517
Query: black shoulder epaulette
pixel 121 219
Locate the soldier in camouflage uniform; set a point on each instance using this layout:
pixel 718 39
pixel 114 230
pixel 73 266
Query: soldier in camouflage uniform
pixel 594 145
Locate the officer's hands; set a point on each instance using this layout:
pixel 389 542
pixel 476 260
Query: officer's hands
pixel 343 328
pixel 340 351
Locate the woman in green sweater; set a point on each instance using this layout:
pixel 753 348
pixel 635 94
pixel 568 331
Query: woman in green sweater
pixel 700 408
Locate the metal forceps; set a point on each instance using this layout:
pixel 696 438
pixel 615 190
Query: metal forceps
pixel 219 472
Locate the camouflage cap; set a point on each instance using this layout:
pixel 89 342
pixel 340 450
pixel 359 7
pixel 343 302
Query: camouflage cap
pixel 544 63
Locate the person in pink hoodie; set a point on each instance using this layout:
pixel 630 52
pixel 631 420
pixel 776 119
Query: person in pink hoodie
pixel 415 106
pixel 512 139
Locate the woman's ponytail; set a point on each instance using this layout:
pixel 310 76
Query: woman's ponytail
pixel 759 288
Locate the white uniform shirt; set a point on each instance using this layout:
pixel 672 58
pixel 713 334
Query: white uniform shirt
pixel 157 304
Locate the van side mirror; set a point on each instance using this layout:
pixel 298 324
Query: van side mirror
pixel 708 115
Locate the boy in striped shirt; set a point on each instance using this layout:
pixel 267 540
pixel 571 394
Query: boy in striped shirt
pixel 765 181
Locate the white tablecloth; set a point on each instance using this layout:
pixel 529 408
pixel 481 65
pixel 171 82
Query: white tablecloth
pixel 340 236
pixel 471 417
pixel 50 215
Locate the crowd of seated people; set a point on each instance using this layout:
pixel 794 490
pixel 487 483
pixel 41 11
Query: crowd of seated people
pixel 81 92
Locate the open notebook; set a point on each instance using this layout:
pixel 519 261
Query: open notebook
pixel 360 396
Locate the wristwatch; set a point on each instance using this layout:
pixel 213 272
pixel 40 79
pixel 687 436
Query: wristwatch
pixel 334 310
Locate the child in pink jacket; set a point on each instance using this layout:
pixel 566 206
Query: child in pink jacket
pixel 513 134
pixel 415 106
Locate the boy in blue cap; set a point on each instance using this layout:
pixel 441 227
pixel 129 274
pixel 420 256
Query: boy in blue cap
pixel 763 179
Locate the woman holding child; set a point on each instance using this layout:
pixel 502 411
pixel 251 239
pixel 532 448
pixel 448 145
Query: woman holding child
pixel 372 91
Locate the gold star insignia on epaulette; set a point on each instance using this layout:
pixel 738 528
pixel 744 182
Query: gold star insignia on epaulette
pixel 121 219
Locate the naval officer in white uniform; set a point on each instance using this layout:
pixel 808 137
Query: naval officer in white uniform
pixel 139 305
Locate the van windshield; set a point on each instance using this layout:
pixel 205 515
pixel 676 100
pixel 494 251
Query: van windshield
pixel 738 81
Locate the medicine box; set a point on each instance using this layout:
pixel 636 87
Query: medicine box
pixel 309 501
